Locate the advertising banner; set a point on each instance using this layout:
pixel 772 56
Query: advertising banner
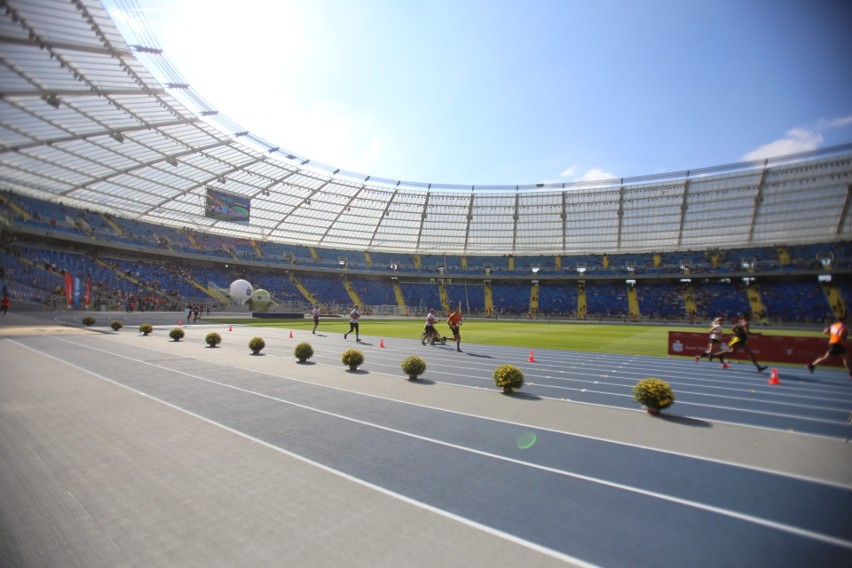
pixel 77 291
pixel 793 350
pixel 69 288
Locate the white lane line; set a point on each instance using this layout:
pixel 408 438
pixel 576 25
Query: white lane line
pixel 653 494
pixel 521 424
pixel 473 524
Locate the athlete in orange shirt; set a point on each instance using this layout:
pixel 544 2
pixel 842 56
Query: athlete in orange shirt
pixel 836 333
pixel 455 321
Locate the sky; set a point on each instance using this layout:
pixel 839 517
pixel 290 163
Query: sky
pixel 495 92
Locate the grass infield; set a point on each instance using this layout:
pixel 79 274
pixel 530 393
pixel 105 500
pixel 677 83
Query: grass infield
pixel 627 339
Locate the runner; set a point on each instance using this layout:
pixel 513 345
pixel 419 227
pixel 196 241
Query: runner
pixel 429 332
pixel 316 315
pixel 455 321
pixel 740 341
pixel 354 316
pixel 714 347
pixel 836 344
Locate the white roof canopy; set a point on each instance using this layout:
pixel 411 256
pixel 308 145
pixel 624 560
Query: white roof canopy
pixel 83 120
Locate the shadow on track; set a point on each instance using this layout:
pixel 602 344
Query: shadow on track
pixel 522 395
pixel 686 421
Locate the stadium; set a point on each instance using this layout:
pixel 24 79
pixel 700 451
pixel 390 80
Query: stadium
pixel 127 197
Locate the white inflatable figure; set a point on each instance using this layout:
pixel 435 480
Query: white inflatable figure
pixel 240 291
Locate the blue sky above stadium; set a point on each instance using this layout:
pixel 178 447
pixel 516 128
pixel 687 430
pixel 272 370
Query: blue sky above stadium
pixel 498 92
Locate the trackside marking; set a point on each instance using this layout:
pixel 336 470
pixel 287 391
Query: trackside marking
pixel 524 425
pixel 473 524
pixel 653 494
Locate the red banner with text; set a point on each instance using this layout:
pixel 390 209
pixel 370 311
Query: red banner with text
pixel 777 349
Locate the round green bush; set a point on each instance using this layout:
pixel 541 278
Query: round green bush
pixel 353 358
pixel 413 366
pixel 213 339
pixel 508 377
pixel 88 320
pixel 176 333
pixel 256 344
pixel 303 352
pixel 116 325
pixel 654 394
pixel 146 328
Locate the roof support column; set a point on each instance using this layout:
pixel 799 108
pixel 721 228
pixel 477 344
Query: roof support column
pixel 758 200
pixel 841 224
pixel 684 206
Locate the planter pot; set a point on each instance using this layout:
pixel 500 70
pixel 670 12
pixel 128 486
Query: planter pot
pixel 507 390
pixel 353 367
pixel 412 377
pixel 652 411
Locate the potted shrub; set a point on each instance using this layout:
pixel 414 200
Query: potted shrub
pixel 213 339
pixel 88 320
pixel 303 352
pixel 256 344
pixel 654 394
pixel 353 358
pixel 116 325
pixel 146 328
pixel 176 333
pixel 413 366
pixel 508 377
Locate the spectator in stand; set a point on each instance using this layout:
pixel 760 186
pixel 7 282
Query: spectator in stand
pixel 4 304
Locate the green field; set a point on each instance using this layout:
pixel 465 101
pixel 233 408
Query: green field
pixel 628 339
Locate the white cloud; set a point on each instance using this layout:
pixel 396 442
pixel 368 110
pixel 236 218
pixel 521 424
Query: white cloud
pixel 797 140
pixel 837 122
pixel 596 174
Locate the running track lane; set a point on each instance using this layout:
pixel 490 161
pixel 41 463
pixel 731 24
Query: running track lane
pixel 604 503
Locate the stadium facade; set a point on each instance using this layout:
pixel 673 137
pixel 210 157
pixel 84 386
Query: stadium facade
pixel 96 120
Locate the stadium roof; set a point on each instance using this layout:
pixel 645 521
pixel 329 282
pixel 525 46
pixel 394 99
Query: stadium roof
pixel 99 121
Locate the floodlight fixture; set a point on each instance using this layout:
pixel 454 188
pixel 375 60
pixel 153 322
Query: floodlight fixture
pixel 52 100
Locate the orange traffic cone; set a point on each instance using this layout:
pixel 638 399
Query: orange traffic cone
pixel 532 357
pixel 773 377
pixel 291 334
pixel 231 327
pixel 382 343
